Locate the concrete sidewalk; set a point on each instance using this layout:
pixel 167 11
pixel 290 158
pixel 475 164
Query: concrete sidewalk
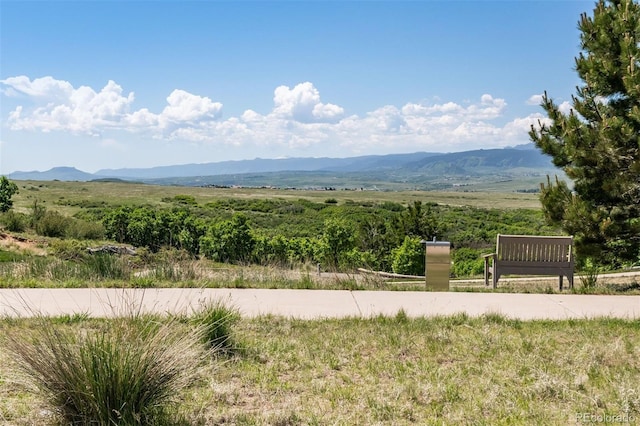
pixel 310 304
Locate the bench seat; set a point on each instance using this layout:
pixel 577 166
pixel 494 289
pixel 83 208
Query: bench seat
pixel 530 255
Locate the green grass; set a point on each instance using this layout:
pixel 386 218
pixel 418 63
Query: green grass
pixel 217 320
pixel 70 197
pixel 10 256
pixel 397 370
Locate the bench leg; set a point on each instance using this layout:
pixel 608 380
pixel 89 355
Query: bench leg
pixel 570 279
pixel 486 272
pixel 560 283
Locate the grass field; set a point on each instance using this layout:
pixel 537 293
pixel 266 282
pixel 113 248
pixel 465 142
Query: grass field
pixel 395 371
pixel 67 197
pixel 376 371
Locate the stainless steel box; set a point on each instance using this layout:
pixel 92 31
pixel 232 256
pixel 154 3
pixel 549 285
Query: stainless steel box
pixel 438 265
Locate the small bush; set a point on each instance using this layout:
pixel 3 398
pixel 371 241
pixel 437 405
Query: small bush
pixel 83 230
pixel 14 222
pixel 37 213
pixel 409 258
pixel 52 224
pixel 126 374
pixel 392 207
pixel 589 277
pixel 69 249
pixel 180 199
pixel 216 321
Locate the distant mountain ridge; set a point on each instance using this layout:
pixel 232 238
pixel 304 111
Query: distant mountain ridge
pixel 261 165
pixel 467 163
pixel 56 173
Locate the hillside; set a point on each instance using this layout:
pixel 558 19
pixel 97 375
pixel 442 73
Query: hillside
pixel 68 174
pixel 524 165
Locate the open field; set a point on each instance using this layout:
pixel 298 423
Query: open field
pixel 69 197
pixel 356 371
pixel 30 260
pixel 394 370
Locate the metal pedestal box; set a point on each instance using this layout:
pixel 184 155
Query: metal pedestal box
pixel 438 265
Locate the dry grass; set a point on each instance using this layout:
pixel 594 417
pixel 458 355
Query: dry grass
pixel 60 194
pixel 623 284
pixel 128 371
pixel 400 371
pixel 47 272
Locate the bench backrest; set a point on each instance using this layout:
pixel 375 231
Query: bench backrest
pixel 535 249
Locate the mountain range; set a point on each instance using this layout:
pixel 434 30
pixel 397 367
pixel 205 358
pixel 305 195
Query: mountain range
pixel 523 160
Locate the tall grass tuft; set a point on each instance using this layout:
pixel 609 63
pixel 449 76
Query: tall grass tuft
pixel 174 271
pixel 216 320
pixel 129 373
pixel 589 277
pixel 106 266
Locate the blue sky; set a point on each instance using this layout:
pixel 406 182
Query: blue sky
pixel 113 84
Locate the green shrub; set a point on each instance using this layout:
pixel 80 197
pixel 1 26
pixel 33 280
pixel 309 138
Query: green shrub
pixel 229 241
pixel 271 250
pixel 409 258
pixel 69 249
pixel 354 259
pixel 181 199
pixel 589 278
pixel 14 222
pixel 52 224
pixel 337 239
pixel 129 373
pixel 467 262
pixel 37 213
pixel 391 206
pixel 83 230
pixel 216 321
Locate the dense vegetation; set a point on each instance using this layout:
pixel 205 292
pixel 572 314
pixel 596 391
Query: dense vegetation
pixel 339 234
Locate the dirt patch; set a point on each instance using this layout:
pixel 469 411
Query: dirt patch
pixel 17 243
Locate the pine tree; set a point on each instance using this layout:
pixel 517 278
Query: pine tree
pixel 597 143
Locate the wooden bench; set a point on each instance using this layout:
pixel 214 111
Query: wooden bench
pixel 530 255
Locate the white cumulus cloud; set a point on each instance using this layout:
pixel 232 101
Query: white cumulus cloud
pixel 300 123
pixel 185 107
pixel 565 107
pixel 302 103
pixel 535 100
pixel 60 107
pixel 45 87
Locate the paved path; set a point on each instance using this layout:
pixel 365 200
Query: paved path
pixel 308 304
